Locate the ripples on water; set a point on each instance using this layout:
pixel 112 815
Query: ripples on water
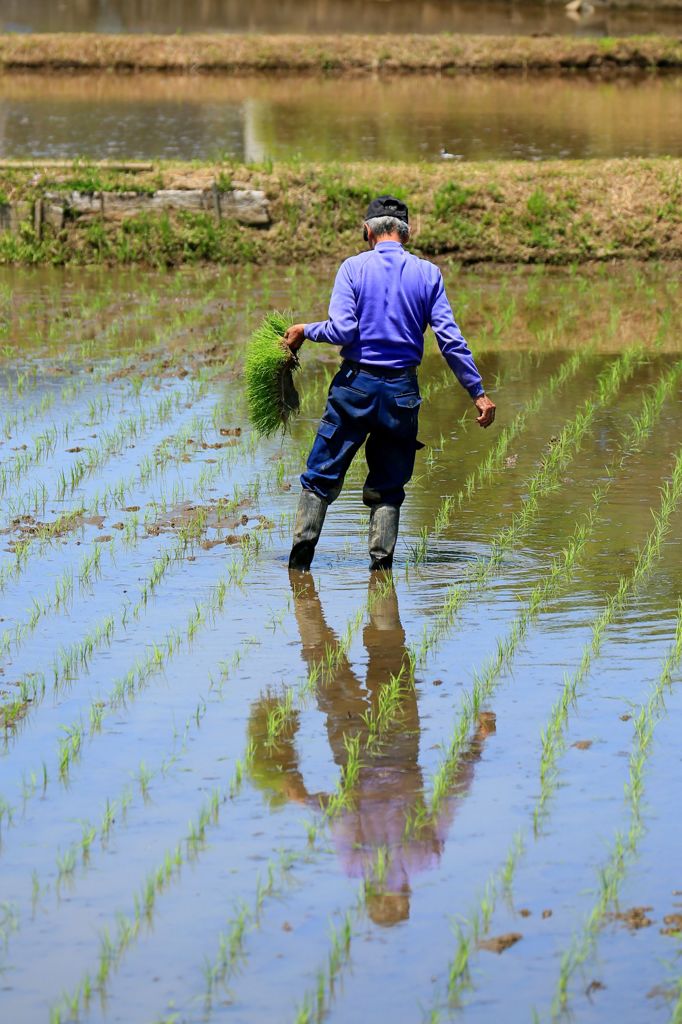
pixel 405 119
pixel 169 16
pixel 179 734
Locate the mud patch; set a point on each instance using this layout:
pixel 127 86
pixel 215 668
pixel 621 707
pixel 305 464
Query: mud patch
pixel 499 943
pixel 634 918
pixel 673 924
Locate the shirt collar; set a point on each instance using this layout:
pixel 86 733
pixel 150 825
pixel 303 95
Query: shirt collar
pixel 388 242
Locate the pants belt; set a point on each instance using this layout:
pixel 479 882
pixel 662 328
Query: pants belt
pixel 387 372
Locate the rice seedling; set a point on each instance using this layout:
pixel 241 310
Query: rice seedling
pixel 315 1005
pixel 552 736
pixel 611 875
pixel 268 373
pixel 176 759
pixel 625 843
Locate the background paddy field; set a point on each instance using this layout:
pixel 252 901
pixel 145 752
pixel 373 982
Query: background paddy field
pixel 229 795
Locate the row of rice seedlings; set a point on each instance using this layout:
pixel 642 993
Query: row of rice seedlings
pixel 47 313
pixel 486 680
pixel 476 925
pixel 542 482
pixel 117 321
pixel 43 444
pixel 158 655
pixel 626 841
pixel 377 721
pixel 270 884
pixel 494 459
pixel 548 587
pixel 19 418
pixel 130 924
pixel 69 661
pixel 58 601
pixel 163 335
pixel 109 443
pixel 350 774
pixel 552 738
pixel 468 932
pixel 116 808
pixel 316 1004
pixel 151 467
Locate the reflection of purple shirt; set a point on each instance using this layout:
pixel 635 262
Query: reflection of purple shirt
pixel 382 303
pixel 358 834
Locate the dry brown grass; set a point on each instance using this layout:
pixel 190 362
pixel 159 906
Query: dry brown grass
pixel 339 53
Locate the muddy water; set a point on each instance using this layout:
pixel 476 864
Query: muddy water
pixel 479 118
pixel 496 17
pixel 236 926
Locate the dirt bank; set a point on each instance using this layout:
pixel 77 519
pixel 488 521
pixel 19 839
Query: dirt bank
pixel 557 212
pixel 338 54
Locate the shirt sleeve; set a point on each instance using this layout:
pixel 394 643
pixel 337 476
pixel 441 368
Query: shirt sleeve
pixel 341 328
pixel 451 341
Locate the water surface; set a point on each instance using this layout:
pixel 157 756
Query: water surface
pixel 418 118
pixel 310 16
pixel 179 865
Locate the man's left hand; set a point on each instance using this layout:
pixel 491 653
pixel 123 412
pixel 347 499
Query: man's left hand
pixel 294 337
pixel 486 410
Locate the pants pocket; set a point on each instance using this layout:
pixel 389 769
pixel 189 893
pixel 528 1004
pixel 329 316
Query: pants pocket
pixel 410 401
pixel 327 429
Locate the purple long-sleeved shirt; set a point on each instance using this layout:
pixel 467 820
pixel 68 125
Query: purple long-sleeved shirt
pixel 382 303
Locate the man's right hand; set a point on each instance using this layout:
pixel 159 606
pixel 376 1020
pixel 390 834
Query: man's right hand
pixel 294 337
pixel 486 409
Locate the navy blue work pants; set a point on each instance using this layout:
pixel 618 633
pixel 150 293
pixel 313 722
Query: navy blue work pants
pixel 382 410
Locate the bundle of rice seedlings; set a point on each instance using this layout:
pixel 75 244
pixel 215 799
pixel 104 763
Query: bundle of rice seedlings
pixel 269 367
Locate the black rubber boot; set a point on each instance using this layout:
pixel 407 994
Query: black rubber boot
pixel 309 521
pixel 383 534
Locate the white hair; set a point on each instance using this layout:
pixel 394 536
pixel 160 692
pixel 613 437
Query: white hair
pixel 380 226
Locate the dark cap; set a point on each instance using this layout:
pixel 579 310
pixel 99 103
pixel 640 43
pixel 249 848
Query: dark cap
pixel 387 206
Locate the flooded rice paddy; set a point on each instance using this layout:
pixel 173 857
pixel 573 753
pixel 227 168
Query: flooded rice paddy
pixel 478 117
pixel 498 17
pixel 228 795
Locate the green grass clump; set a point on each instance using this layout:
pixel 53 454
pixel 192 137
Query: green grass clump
pixel 268 368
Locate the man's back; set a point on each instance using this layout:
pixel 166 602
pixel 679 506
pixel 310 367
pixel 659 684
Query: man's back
pixel 382 303
pixel 393 292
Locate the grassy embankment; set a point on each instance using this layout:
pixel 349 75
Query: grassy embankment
pixel 337 53
pixel 556 212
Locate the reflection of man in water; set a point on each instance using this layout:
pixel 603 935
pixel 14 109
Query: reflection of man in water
pixel 390 789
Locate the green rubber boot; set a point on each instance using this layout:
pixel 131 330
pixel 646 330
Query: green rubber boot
pixel 383 534
pixel 309 521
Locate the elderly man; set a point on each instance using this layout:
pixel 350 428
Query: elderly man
pixel 380 306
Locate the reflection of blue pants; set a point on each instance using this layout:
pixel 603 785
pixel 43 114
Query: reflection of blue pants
pixel 362 404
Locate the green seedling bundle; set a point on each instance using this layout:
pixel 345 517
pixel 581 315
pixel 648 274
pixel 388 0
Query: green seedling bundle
pixel 268 371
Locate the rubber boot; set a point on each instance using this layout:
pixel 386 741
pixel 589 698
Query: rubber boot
pixel 309 520
pixel 383 534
